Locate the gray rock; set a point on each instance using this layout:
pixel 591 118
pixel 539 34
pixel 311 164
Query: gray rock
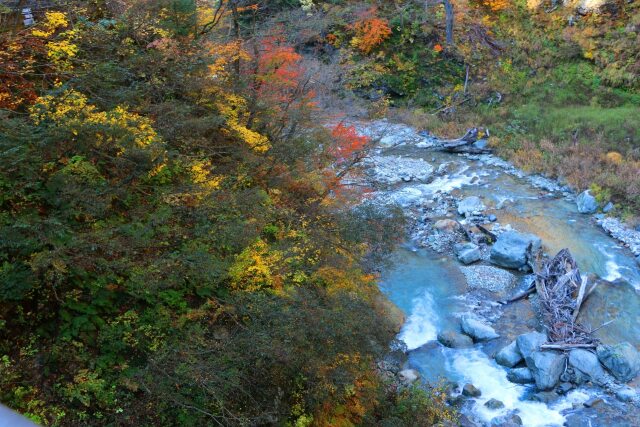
pixel 454 339
pixel 470 205
pixel 470 390
pixel 593 402
pixel 520 376
pixel 494 404
pixel 546 368
pixel 446 225
pixel 467 253
pixel 513 249
pixel 564 388
pixel 608 207
pixel 622 360
pixel 626 394
pixel 546 397
pixel 586 202
pixel 509 356
pixel 508 420
pixel 408 376
pixel 530 342
pixel 587 363
pixel 492 218
pixel 477 329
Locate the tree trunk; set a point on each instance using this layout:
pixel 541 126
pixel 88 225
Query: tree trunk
pixel 448 10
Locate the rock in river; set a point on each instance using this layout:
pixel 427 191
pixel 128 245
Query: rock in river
pixel 470 205
pixel 586 202
pixel 494 404
pixel 477 329
pixel 470 390
pixel 487 277
pixel 467 253
pixel 530 342
pixel 587 363
pixel 622 360
pixel 509 356
pixel 520 376
pixel 454 339
pixel 546 368
pixel 513 249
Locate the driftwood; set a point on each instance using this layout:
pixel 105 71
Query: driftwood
pixel 562 291
pixel 463 144
pixel 531 289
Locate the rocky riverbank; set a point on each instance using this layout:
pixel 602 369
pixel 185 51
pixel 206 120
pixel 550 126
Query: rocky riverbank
pixel 463 207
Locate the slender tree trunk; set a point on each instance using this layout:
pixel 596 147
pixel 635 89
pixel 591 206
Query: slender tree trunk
pixel 448 10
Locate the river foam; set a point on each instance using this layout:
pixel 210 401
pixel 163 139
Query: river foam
pixel 420 327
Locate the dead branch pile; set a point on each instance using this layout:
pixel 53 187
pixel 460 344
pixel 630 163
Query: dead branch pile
pixel 562 291
pixel 464 144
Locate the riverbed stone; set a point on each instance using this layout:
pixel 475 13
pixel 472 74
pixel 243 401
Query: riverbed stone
pixel 509 356
pixel 593 402
pixel 488 277
pixel 546 368
pixel 546 397
pixel 530 342
pixel 520 376
pixel 622 360
pixel 514 249
pixel 446 225
pixel 470 205
pixel 454 339
pixel 494 404
pixel 586 202
pixel 626 394
pixel 587 363
pixel 477 329
pixel 470 390
pixel 467 253
pixel 408 376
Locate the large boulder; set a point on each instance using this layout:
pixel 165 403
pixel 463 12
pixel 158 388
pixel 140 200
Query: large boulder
pixel 586 203
pixel 514 250
pixel 546 368
pixel 622 360
pixel 477 329
pixel 587 363
pixel 530 342
pixel 470 206
pixel 454 339
pixel 509 356
pixel 467 253
pixel 520 376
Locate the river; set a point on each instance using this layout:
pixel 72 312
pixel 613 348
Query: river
pixel 429 286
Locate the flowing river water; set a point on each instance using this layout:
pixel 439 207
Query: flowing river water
pixel 430 288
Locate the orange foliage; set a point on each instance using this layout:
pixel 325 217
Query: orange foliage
pixel 280 76
pixel 495 5
pixel 370 31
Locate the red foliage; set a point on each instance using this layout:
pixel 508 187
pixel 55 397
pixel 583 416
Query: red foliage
pixel 349 143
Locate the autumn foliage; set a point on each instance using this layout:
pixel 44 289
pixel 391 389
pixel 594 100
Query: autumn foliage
pixel 370 32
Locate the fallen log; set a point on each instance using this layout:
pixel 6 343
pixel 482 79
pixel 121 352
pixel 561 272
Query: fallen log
pixel 463 144
pixel 566 346
pixel 520 296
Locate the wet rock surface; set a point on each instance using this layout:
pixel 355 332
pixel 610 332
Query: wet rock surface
pixel 622 360
pixel 515 250
pixel 477 329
